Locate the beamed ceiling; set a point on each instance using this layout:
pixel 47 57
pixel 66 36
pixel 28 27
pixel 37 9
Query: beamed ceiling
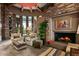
pixel 40 7
pixel 51 9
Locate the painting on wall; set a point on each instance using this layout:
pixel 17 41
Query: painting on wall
pixel 63 24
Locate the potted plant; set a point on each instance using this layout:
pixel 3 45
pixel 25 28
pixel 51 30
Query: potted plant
pixel 42 31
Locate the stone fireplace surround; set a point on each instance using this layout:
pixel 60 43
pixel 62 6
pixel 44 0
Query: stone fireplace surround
pixel 72 36
pixel 68 32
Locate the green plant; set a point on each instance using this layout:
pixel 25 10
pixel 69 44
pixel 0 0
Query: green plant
pixel 42 30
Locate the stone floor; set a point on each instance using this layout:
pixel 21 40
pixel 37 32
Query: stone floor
pixel 7 50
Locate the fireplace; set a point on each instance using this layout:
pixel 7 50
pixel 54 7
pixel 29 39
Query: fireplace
pixel 65 37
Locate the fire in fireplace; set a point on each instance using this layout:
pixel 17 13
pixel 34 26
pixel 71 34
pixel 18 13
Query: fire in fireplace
pixel 65 37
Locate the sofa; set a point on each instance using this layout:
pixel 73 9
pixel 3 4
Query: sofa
pixel 17 41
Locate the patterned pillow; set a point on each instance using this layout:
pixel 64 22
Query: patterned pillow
pixel 74 52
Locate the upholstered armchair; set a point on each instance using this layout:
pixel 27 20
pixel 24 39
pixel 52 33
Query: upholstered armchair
pixel 30 38
pixel 17 41
pixel 72 49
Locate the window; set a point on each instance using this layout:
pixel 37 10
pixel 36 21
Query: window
pixel 30 21
pixel 24 23
pixel 27 21
pixel 17 16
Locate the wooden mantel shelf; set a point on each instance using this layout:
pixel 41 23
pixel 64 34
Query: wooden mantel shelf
pixel 67 31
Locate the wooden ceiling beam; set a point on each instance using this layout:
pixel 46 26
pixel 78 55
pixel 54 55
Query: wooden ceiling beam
pixel 18 11
pixel 65 5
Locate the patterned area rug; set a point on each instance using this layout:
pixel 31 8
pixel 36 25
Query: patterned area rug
pixel 7 50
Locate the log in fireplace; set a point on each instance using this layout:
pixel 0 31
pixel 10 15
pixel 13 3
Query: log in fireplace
pixel 65 37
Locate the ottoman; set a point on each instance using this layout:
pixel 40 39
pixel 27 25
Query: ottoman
pixel 37 43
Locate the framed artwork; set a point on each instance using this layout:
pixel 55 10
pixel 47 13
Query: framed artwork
pixel 63 24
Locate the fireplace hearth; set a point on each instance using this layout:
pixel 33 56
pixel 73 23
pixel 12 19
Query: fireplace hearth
pixel 65 37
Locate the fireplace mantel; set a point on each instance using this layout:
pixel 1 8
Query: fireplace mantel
pixel 65 31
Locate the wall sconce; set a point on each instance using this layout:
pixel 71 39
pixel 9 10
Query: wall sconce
pixel 40 16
